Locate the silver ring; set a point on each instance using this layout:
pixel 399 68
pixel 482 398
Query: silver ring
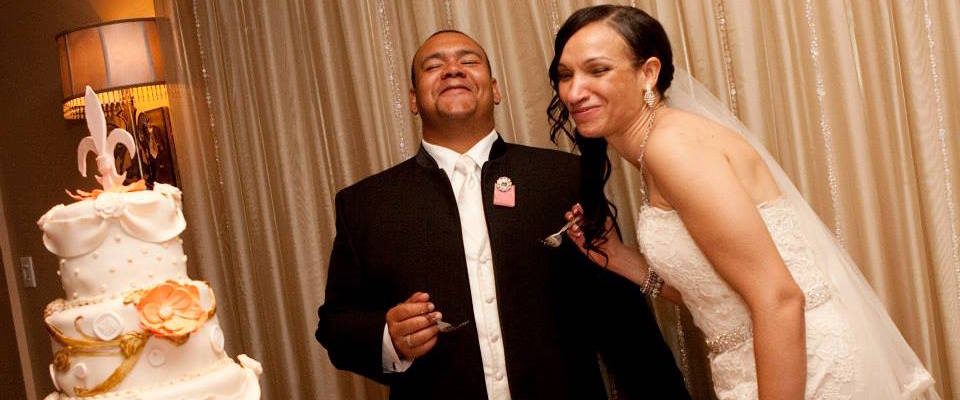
pixel 406 339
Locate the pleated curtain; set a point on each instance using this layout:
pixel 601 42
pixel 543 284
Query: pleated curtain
pixel 276 105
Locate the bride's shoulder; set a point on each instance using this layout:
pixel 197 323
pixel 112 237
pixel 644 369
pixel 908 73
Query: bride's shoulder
pixel 679 133
pixel 689 124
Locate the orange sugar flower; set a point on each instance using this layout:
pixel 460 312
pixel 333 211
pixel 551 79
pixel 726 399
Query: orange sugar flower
pixel 171 310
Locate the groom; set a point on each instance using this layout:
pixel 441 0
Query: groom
pixel 452 236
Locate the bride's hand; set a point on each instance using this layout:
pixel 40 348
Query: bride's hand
pixel 575 233
pixel 621 259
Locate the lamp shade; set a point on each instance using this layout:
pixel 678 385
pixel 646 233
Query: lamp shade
pixel 120 60
pixel 110 55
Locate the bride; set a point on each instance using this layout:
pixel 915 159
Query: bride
pixel 721 229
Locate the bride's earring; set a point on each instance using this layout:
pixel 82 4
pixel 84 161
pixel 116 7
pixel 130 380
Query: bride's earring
pixel 649 97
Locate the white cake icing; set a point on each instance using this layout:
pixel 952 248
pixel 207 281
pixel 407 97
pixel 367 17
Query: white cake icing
pixel 105 258
pixel 223 380
pixel 132 244
pixel 133 326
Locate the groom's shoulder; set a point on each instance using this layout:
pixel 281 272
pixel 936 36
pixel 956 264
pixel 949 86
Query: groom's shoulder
pixel 393 177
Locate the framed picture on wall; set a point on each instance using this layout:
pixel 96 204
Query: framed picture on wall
pixel 155 147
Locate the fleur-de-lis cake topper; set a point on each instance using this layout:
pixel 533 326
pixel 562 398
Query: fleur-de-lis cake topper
pixel 102 145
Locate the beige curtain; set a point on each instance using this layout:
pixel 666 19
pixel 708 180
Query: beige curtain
pixel 277 105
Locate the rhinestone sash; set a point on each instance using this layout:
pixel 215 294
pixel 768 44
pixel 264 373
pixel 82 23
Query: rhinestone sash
pixel 733 338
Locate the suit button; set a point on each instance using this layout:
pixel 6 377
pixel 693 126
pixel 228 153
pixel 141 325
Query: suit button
pixel 494 338
pixel 499 376
pixel 489 300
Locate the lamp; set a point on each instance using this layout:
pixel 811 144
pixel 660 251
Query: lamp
pixel 122 61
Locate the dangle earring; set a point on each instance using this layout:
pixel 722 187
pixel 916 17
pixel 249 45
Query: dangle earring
pixel 649 97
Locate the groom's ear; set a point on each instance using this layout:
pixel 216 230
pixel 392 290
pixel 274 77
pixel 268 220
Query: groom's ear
pixel 412 98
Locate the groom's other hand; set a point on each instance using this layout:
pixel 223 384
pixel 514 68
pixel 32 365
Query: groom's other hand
pixel 413 326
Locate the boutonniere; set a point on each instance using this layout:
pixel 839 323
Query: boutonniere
pixel 504 192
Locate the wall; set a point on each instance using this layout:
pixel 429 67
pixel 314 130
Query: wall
pixel 38 157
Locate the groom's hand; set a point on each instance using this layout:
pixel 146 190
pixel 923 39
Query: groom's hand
pixel 413 326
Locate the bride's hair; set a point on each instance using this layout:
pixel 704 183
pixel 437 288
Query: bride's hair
pixel 646 38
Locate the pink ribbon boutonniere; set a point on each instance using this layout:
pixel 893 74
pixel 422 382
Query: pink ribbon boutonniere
pixel 504 192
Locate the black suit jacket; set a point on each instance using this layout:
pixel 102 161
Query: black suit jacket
pixel 398 232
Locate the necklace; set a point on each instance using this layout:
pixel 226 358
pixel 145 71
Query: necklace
pixel 643 149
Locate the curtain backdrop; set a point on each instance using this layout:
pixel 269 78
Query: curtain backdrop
pixel 279 104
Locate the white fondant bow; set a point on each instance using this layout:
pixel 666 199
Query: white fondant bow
pixel 152 216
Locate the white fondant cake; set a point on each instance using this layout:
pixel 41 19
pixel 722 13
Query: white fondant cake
pixel 133 325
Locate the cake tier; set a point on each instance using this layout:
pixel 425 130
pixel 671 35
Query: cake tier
pixel 117 241
pixel 224 380
pixel 122 263
pixel 90 339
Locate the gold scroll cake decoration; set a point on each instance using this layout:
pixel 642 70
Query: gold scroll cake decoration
pixel 170 311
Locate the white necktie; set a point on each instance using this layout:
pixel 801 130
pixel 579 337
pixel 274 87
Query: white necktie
pixel 466 186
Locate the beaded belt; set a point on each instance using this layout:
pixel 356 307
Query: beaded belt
pixel 733 338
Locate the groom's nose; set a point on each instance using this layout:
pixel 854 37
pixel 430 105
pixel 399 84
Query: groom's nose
pixel 453 70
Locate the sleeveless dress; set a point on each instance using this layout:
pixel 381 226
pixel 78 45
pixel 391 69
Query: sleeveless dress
pixel 724 318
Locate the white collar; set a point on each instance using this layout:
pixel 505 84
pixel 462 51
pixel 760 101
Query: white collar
pixel 447 158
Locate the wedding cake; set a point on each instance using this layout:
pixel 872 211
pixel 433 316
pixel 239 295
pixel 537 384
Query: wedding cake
pixel 132 325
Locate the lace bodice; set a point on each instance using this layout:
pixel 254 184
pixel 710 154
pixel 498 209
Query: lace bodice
pixel 716 308
pixel 724 318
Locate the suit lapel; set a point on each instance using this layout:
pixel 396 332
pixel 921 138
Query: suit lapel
pixel 446 277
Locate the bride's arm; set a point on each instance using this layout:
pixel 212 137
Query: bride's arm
pixel 700 184
pixel 621 259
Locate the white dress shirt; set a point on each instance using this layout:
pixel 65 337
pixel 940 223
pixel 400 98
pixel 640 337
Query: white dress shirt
pixel 480 273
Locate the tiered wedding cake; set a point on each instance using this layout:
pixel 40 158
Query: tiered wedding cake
pixel 133 325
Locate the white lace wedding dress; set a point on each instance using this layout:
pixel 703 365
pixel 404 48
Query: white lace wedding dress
pixel 854 350
pixel 724 318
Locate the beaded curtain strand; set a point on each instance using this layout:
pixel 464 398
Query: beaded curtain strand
pixel 394 81
pixel 941 136
pixel 825 131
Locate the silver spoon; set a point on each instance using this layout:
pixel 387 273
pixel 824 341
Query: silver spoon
pixel 555 239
